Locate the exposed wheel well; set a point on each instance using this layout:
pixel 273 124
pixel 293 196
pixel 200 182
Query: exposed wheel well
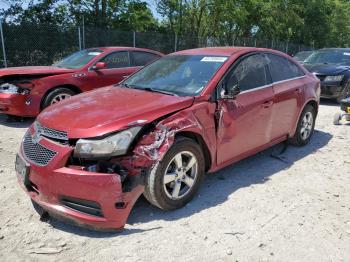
pixel 198 139
pixel 314 104
pixel 75 89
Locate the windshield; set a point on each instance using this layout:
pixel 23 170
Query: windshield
pixel 329 57
pixel 301 56
pixel 182 75
pixel 78 59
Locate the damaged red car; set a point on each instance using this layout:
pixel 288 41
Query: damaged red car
pixel 88 159
pixel 25 91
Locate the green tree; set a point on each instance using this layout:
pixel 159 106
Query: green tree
pixel 137 17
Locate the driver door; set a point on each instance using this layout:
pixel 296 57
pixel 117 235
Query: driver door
pixel 244 122
pixel 118 67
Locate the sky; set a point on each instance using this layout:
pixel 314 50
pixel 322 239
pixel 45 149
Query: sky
pixel 3 4
pixel 152 5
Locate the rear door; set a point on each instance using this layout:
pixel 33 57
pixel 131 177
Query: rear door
pixel 288 87
pixel 244 123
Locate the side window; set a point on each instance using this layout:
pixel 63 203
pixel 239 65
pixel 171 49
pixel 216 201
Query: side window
pixel 143 58
pixel 282 69
pixel 296 71
pixel 249 73
pixel 117 60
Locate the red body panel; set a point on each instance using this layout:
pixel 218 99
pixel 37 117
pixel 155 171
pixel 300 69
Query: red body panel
pixel 285 99
pixel 34 70
pixel 109 109
pixel 247 110
pixel 46 78
pixel 60 181
pixel 227 129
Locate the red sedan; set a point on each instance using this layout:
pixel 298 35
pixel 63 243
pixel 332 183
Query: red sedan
pixel 25 91
pixel 87 160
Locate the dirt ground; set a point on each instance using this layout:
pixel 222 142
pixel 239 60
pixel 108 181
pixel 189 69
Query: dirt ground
pixel 296 208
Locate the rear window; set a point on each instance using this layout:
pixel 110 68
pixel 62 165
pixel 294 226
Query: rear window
pixel 282 69
pixel 143 58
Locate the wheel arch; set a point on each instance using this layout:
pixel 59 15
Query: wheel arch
pixel 198 139
pixel 74 88
pixel 310 102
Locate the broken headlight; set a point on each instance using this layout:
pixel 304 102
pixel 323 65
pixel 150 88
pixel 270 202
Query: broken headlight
pixel 8 88
pixel 114 145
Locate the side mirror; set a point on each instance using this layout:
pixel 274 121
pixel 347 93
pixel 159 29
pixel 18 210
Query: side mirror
pixel 230 93
pixel 100 65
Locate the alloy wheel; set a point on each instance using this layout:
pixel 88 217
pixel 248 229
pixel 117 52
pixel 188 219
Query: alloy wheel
pixel 307 125
pixel 180 175
pixel 59 97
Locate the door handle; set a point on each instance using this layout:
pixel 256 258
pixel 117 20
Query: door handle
pixel 267 104
pixel 125 76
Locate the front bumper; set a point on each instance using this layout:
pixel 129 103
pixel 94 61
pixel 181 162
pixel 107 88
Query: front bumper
pixel 331 91
pixel 18 105
pixel 50 186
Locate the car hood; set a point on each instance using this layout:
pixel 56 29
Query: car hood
pixel 109 109
pixel 326 69
pixel 34 70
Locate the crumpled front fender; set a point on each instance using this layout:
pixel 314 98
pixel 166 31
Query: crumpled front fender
pixel 152 147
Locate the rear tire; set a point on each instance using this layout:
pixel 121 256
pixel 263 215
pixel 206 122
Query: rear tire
pixel 305 128
pixel 57 95
pixel 173 182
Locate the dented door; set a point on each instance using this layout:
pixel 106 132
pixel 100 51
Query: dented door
pixel 244 122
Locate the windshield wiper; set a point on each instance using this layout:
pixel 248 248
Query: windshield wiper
pixel 158 91
pixel 149 89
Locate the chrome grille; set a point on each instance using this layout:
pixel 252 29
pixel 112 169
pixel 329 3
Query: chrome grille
pixel 50 133
pixel 35 152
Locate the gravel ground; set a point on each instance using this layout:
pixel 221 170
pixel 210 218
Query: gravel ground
pixel 296 208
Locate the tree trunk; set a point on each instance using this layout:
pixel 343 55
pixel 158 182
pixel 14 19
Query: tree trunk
pixel 104 13
pixel 97 12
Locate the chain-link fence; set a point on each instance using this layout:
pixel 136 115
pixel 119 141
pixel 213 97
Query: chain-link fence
pixel 23 45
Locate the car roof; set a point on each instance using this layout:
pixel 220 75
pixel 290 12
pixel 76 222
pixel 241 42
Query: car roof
pixel 306 51
pixel 223 51
pixel 335 49
pixel 126 48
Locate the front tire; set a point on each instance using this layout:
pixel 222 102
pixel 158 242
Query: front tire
pixel 305 128
pixel 57 95
pixel 173 182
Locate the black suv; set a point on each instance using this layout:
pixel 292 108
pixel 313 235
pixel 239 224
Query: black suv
pixel 332 67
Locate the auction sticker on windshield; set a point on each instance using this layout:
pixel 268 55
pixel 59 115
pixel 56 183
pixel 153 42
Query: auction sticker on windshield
pixel 216 59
